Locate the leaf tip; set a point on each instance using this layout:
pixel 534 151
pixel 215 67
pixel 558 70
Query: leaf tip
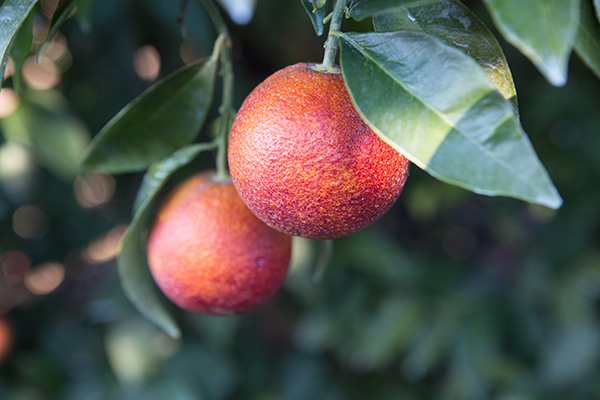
pixel 173 331
pixel 550 199
pixel 555 202
pixel 555 72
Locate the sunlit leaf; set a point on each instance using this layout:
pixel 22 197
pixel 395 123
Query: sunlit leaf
pixel 457 26
pixel 316 16
pixel 361 9
pixel 587 43
pixel 12 15
pixel 134 274
pixel 437 106
pixel 543 30
pixel 165 117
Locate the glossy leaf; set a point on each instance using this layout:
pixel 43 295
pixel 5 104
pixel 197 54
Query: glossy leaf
pixel 543 30
pixel 12 15
pixel 457 26
pixel 436 105
pixel 316 16
pixel 597 7
pixel 361 9
pixel 587 43
pixel 20 49
pixel 165 117
pixel 134 274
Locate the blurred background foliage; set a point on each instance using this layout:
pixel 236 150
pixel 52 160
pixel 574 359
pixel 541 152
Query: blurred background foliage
pixel 450 296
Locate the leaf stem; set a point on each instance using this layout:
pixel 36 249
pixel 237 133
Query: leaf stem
pixel 181 16
pixel 323 260
pixel 332 40
pixel 226 111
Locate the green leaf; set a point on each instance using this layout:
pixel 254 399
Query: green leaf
pixel 134 274
pixel 361 9
pixel 437 106
pixel 43 122
pixel 20 49
pixel 457 26
pixel 316 16
pixel 83 15
pixel 571 354
pixel 158 173
pixel 390 328
pixel 62 12
pixel 587 43
pixel 597 7
pixel 13 14
pixel 543 30
pixel 165 117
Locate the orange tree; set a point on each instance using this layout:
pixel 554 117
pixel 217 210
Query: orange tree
pixel 450 295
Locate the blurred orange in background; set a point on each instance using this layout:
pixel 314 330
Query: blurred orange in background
pixel 5 337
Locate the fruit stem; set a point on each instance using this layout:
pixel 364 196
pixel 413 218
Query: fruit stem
pixel 226 110
pixel 332 41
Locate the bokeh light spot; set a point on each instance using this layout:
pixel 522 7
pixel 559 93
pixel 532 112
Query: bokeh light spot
pixel 15 265
pixel 9 101
pixel 146 62
pixel 45 278
pixel 94 189
pixel 106 247
pixel 30 222
pixel 14 159
pixel 57 51
pixel 188 52
pixel 10 68
pixel 41 75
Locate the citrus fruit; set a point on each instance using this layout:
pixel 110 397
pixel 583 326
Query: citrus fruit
pixel 209 254
pixel 304 161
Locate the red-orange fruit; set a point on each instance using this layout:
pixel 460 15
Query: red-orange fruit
pixel 305 162
pixel 209 254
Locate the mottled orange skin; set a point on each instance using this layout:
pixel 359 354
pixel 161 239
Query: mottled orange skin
pixel 305 162
pixel 209 254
